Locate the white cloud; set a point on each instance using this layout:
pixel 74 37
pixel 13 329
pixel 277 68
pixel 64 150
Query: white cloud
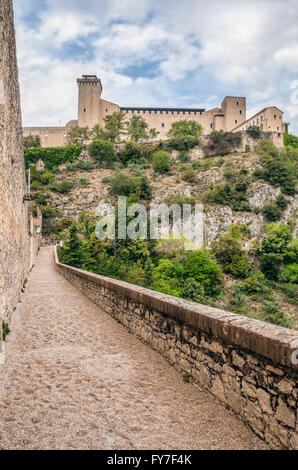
pixel 211 48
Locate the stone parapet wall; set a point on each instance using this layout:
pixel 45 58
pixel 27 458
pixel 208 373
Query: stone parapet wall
pixel 246 364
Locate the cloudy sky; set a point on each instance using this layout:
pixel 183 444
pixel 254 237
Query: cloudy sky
pixel 157 53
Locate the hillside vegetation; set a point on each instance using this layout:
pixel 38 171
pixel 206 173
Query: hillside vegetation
pixel 249 264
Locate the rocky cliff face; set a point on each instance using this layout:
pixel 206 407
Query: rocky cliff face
pixel 217 217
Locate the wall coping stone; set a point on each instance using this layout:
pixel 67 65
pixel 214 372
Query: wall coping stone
pixel 271 341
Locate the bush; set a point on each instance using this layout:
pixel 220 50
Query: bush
pixel 179 199
pixel 185 128
pixel 222 143
pixel 278 169
pixel 161 162
pixel 189 176
pixel 168 269
pixel 274 315
pixel 48 211
pixel 32 141
pixel 131 153
pixel 183 156
pixel 228 253
pixel 255 283
pixel 103 151
pixel 185 143
pixel 193 291
pixel 254 132
pixel 63 187
pixel 52 157
pixel 267 147
pixel 231 194
pixel 272 212
pixel 84 166
pixel 201 267
pixel 123 185
pixel 290 273
pixel 239 266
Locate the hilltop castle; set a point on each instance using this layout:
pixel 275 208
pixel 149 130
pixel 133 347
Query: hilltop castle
pixel 92 109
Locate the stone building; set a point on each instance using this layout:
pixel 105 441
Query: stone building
pixel 19 235
pixel 92 109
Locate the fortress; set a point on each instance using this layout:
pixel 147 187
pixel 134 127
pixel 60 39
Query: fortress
pixel 92 109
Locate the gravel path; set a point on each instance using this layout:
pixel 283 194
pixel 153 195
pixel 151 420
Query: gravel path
pixel 76 379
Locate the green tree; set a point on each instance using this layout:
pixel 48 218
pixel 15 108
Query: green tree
pixel 161 162
pixel 114 125
pixel 97 133
pixel 72 251
pixel 201 267
pixel 78 136
pixel 137 128
pixel 32 141
pixel 103 151
pixel 185 127
pixel 148 273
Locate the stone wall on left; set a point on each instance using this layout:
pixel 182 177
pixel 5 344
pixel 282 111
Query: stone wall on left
pixel 15 222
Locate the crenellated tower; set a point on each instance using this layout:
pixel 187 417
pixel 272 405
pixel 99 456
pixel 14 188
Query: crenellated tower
pixel 90 90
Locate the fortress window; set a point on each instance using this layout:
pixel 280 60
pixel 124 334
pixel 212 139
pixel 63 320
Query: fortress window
pixel 155 112
pixel 201 113
pixel 167 112
pixel 172 112
pixel 183 112
pixel 138 111
pixel 106 110
pixel 274 116
pixel 277 128
pixel 160 112
pixel 240 111
pixel 85 110
pixel 236 121
pixel 144 112
pixel 237 103
pixel 162 124
pixel 211 125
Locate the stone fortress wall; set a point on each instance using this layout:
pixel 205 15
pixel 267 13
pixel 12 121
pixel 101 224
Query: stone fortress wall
pixel 248 365
pixel 92 109
pixel 19 233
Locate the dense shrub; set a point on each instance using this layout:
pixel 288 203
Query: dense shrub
pixel 185 128
pixel 52 157
pixel 182 143
pixel 189 176
pixel 255 283
pixel 179 199
pixel 32 141
pixel 228 253
pixel 232 194
pixel 290 273
pixel 278 170
pixel 275 250
pixel 290 140
pixel 201 267
pixel 63 187
pixel 161 162
pixel 193 290
pixel 123 185
pixel 254 132
pixel 103 151
pixel 222 143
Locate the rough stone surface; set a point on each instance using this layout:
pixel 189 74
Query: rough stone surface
pixel 15 224
pixel 74 378
pixel 240 361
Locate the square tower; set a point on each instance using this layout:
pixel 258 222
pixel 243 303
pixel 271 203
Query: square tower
pixel 234 110
pixel 90 90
